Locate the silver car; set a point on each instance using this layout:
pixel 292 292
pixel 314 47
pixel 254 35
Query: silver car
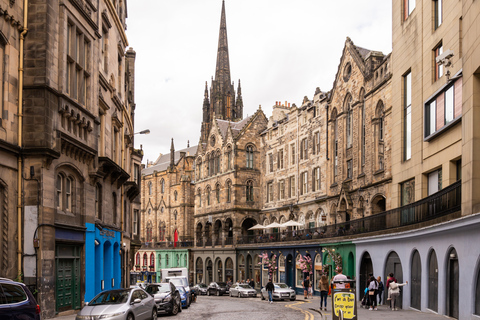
pixel 242 290
pixel 121 304
pixel 282 292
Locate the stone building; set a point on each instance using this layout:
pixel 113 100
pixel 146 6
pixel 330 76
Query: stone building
pixel 168 198
pixel 68 146
pixel 12 26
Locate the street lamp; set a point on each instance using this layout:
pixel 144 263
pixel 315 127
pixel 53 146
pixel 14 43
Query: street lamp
pixel 146 131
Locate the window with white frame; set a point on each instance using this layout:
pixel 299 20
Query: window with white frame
pixel 292 186
pixel 438 11
pixel 316 179
pixel 136 222
pixel 270 192
pixel 407 116
pixel 408 6
pixel 292 154
pixel 304 185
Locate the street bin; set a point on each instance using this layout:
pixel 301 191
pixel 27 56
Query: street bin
pixel 344 300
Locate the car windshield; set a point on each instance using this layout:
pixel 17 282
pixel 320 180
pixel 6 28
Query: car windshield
pixel 246 286
pixel 181 289
pixel 158 288
pixel 222 284
pixel 178 281
pixel 202 285
pixel 280 285
pixel 110 297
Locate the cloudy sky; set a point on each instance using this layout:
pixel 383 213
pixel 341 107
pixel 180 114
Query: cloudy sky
pixel 281 50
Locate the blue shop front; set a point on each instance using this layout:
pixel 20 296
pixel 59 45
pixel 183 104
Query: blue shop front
pixel 102 260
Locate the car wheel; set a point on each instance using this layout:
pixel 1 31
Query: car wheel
pixel 208 292
pixel 130 316
pixel 230 294
pixel 154 314
pixel 218 293
pixel 292 299
pixel 188 303
pixel 174 309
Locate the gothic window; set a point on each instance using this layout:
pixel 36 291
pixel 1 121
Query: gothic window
pixel 152 260
pixel 335 144
pixel 249 190
pixel 208 195
pixel 380 135
pixel 199 169
pixel 175 195
pixel 64 194
pixel 229 158
pixel 98 201
pixel 161 234
pixel 217 162
pixel 162 186
pixel 199 193
pixel 349 169
pixel 149 231
pixel 217 193
pixel 348 109
pixel 211 165
pixel 250 157
pixel 145 259
pixel 149 188
pixel 175 214
pixel 362 128
pixel 229 191
pixel 137 259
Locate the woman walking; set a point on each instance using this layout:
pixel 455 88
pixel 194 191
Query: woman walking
pixel 372 293
pixel 394 289
pixel 323 285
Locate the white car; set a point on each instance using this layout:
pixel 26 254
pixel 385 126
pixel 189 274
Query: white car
pixel 242 290
pixel 282 292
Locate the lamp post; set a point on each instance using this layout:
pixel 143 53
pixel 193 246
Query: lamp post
pixel 146 131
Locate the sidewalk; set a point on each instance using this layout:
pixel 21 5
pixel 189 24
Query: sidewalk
pixel 382 313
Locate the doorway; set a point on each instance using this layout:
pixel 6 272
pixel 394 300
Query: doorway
pixel 416 289
pixel 452 284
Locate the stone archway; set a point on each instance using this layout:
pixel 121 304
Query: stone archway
pixel 394 265
pixel 366 268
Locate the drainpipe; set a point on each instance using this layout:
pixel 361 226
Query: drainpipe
pixel 20 138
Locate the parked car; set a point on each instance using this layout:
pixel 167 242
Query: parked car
pixel 217 288
pixel 201 288
pixel 167 297
pixel 17 302
pixel 282 292
pixel 120 304
pixel 181 281
pixel 183 296
pixel 242 290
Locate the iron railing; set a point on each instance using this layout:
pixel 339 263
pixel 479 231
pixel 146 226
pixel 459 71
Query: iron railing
pixel 187 243
pixel 442 203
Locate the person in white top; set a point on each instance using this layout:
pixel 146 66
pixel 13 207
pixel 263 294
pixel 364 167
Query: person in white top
pixel 339 277
pixel 394 289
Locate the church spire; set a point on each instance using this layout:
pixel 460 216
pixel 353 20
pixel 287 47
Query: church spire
pixel 172 155
pixel 222 73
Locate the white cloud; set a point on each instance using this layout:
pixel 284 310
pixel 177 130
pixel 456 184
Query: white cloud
pixel 281 50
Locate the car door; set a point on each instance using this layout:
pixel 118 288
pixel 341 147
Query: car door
pixel 4 307
pixel 147 304
pixel 137 308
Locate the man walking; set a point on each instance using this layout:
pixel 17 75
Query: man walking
pixel 270 289
pixel 339 278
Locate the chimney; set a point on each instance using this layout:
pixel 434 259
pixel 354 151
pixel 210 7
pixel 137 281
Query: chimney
pixel 289 105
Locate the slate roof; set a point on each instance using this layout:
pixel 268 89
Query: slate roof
pixel 163 162
pixel 236 126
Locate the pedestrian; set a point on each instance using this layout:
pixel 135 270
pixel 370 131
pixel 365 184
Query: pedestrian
pixel 252 283
pixel 306 284
pixel 339 278
pixel 323 285
pixel 381 288
pixel 270 289
pixel 247 281
pixel 372 293
pixel 390 279
pixel 394 289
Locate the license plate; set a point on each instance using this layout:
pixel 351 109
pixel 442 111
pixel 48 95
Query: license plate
pixel 285 294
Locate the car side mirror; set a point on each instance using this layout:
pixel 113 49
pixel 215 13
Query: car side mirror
pixel 136 301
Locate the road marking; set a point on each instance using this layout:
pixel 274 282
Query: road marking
pixel 308 315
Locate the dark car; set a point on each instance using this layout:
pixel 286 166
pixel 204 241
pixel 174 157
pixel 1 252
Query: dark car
pixel 167 297
pixel 217 288
pixel 17 302
pixel 201 288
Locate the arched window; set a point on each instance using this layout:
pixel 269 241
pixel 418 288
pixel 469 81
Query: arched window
pixel 208 195
pixel 335 145
pixel 175 216
pixel 65 193
pixel 149 188
pixel 59 192
pixel 199 194
pixel 212 165
pixel 379 114
pixel 249 191
pixel 362 128
pixel 68 194
pixel 145 259
pixel 137 259
pixel 229 191
pixel 217 162
pixel 98 201
pixel 175 195
pixel 162 186
pixel 166 260
pixel 348 109
pixel 161 234
pixel 250 157
pixel 229 158
pixel 217 193
pixel 152 260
